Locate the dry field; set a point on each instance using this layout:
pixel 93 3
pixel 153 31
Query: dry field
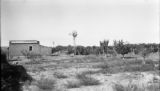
pixel 92 73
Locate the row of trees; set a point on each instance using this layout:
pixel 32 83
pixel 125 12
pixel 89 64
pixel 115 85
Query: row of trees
pixel 119 47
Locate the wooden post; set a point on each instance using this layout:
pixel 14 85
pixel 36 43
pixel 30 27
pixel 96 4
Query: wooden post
pixel 74 42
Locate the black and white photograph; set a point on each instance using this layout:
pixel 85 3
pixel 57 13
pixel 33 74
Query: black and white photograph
pixel 80 45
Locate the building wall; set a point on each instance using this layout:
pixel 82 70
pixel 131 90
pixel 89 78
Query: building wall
pixel 16 49
pixel 45 50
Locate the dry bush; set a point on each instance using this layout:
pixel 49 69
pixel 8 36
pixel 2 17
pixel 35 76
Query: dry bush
pixel 147 67
pixel 104 68
pixel 110 67
pixel 117 66
pixel 133 87
pixel 132 68
pixel 142 68
pixel 73 84
pixel 116 61
pixel 59 75
pixel 151 62
pixel 94 58
pixel 31 55
pixel 120 87
pixel 154 87
pixel 46 84
pixel 86 80
pixel 33 62
pixel 133 62
pixel 90 72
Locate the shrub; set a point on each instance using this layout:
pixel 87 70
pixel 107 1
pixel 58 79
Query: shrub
pixel 105 68
pixel 132 68
pixel 73 84
pixel 144 67
pixel 30 55
pixel 90 72
pixel 150 62
pixel 147 67
pixel 59 75
pixel 86 80
pixel 133 62
pixel 116 63
pixel 111 67
pixel 144 53
pixel 46 84
pixel 133 87
pixel 154 87
pixel 120 87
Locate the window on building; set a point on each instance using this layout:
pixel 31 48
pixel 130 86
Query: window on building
pixel 30 48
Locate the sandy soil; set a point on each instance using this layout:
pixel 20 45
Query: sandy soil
pixel 69 67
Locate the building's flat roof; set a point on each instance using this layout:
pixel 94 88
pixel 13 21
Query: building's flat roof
pixel 24 41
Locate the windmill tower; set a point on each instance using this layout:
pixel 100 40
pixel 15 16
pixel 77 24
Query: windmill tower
pixel 74 35
pixel 53 43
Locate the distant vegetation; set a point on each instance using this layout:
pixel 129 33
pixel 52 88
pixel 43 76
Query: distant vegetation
pixel 119 47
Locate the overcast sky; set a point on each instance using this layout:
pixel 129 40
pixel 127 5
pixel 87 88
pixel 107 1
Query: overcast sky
pixel 135 21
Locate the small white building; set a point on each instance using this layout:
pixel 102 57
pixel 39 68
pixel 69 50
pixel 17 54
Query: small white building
pixel 18 47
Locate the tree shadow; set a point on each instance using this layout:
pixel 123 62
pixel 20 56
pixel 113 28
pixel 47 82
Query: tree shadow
pixel 12 76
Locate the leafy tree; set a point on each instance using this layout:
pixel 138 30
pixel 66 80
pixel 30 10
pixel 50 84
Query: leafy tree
pixel 153 47
pixel 70 49
pixel 58 48
pixel 80 50
pixel 97 50
pixel 121 47
pixel 150 47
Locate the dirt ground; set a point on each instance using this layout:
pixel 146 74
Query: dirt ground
pixel 63 69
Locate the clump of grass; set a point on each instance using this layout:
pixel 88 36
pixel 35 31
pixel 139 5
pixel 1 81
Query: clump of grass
pixel 147 67
pixel 86 80
pixel 120 87
pixel 133 87
pixel 73 84
pixel 154 87
pixel 33 62
pixel 90 72
pixel 104 66
pixel 59 75
pixel 133 62
pixel 116 66
pixel 46 84
pixel 132 68
pixel 149 62
pixel 141 67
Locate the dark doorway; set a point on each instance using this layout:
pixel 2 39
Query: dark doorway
pixel 30 48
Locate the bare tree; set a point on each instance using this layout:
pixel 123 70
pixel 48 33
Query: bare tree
pixel 144 52
pixel 104 46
